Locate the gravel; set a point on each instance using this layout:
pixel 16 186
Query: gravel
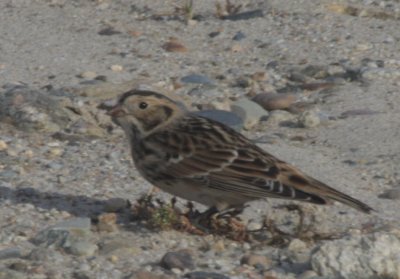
pixel 67 182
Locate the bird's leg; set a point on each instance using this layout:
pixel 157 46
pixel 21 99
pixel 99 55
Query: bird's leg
pixel 206 218
pixel 232 212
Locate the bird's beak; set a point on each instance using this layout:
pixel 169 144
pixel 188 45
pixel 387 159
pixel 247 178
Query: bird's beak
pixel 116 111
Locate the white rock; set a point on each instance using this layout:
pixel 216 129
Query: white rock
pixel 279 116
pixel 249 111
pixel 369 256
pixel 309 119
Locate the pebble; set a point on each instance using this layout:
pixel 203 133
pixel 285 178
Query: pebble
pixel 119 247
pixel 180 259
pixel 3 145
pixel 197 79
pixel 204 275
pixel 279 116
pixel 309 119
pixel 391 194
pixel 244 15
pixel 256 261
pixel 88 75
pixel 13 252
pixel 107 222
pixel 298 251
pixel 250 112
pixel 270 101
pixel 81 248
pixel 225 117
pixel 239 36
pixel 174 46
pixel 117 68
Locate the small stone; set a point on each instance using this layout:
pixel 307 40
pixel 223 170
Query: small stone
pixel 117 68
pixel 116 204
pixel 249 111
pixel 180 259
pixel 13 252
pixel 88 75
pixel 3 145
pixel 107 222
pixel 204 275
pixel 108 31
pixel 173 45
pixel 271 101
pixel 197 79
pixel 297 245
pixel 82 248
pixel 392 194
pixel 56 152
pixel 225 117
pixel 256 260
pixel 63 232
pixel 239 36
pixel 298 251
pixel 244 15
pixel 176 271
pixel 219 246
pixel 214 34
pixel 236 48
pixel 309 119
pixel 114 258
pixel 280 116
pixel 12 152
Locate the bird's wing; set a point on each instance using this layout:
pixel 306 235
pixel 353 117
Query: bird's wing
pixel 222 159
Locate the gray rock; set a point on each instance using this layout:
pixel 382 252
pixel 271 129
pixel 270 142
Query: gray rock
pixel 249 111
pixel 391 194
pixel 239 36
pixel 180 259
pixel 197 79
pixel 12 252
pixel 32 109
pixel 81 248
pixel 244 15
pixel 363 256
pixel 225 117
pixel 71 235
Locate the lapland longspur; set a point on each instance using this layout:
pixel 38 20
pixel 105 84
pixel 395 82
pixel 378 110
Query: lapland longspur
pixel 202 160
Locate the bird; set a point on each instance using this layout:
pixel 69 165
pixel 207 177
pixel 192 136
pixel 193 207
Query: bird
pixel 202 160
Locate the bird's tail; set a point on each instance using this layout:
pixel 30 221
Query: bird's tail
pixel 332 194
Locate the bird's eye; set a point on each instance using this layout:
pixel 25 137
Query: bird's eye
pixel 143 105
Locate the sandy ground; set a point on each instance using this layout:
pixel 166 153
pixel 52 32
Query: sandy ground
pixel 53 42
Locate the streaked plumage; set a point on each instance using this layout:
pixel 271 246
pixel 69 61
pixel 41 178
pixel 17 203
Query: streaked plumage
pixel 204 161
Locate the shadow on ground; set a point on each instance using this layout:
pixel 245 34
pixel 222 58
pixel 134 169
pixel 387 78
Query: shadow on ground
pixel 77 205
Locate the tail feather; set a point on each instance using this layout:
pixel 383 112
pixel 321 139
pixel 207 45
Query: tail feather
pixel 332 194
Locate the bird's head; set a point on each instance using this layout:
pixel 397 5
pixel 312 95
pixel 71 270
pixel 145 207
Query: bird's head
pixel 141 112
